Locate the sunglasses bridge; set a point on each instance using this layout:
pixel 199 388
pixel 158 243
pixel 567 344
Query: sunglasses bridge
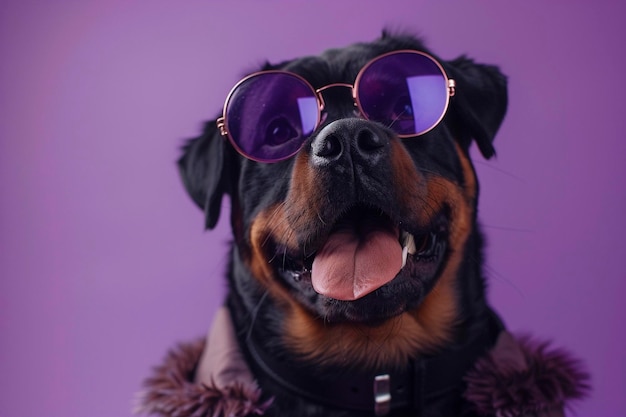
pixel 322 103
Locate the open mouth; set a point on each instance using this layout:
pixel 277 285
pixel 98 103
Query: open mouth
pixel 366 267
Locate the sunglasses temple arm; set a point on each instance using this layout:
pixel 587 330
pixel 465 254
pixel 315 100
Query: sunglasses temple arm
pixel 221 125
pixel 451 87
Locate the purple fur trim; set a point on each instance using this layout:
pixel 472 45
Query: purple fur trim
pixel 171 392
pixel 524 376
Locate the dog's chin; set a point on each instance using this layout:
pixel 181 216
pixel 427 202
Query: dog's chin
pixel 423 259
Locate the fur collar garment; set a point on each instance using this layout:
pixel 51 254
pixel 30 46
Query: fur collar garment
pixel 519 377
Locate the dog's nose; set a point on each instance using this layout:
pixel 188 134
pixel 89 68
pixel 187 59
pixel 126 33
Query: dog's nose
pixel 357 139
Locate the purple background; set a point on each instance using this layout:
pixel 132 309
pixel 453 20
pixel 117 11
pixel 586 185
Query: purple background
pixel 103 260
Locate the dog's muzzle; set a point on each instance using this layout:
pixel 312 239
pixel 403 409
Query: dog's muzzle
pixel 362 253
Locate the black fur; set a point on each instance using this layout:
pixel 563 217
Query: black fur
pixel 211 168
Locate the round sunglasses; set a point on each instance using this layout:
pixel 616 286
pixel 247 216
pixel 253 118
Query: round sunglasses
pixel 269 115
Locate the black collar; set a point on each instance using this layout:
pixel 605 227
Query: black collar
pixel 423 381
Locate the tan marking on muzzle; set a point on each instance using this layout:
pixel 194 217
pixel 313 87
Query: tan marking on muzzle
pixel 305 194
pixel 268 225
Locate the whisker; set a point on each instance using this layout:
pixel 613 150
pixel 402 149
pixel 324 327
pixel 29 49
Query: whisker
pixel 500 170
pixel 255 314
pixel 396 118
pixel 506 228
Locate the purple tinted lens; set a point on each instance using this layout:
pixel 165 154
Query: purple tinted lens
pixel 405 91
pixel 269 115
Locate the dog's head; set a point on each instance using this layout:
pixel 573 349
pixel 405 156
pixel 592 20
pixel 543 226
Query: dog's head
pixel 355 227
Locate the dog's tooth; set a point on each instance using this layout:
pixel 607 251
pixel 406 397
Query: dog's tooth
pixel 405 254
pixel 409 243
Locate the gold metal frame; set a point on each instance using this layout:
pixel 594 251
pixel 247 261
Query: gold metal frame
pixel 222 122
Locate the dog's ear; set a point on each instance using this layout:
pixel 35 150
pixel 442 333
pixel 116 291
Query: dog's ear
pixel 479 105
pixel 203 167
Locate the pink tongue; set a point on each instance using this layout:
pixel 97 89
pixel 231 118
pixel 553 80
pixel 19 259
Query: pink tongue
pixel 352 265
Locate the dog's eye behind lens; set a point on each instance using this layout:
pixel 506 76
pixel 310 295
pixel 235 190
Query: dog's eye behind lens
pixel 279 131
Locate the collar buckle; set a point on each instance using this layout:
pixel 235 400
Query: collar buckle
pixel 382 395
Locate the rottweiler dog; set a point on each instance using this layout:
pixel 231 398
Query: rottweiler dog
pixel 355 276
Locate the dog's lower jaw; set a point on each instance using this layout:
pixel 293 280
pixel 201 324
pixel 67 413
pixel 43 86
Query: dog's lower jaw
pixel 389 343
pixel 293 331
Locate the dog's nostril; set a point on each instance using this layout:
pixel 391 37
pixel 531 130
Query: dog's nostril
pixel 330 147
pixel 368 141
pixel 346 140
